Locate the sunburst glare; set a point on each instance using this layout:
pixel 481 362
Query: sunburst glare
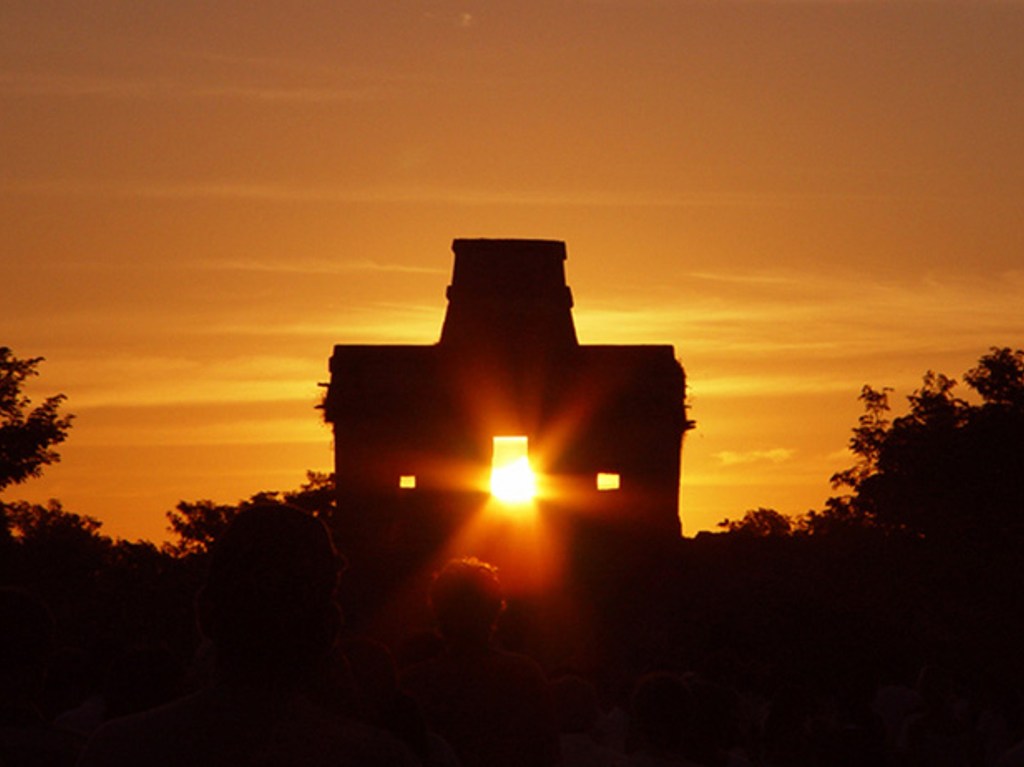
pixel 512 479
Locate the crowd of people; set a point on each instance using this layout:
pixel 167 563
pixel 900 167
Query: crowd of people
pixel 279 680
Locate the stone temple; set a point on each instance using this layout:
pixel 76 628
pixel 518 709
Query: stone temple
pixel 418 429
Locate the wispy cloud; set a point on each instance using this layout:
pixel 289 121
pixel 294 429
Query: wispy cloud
pixel 676 3
pixel 217 360
pixel 758 384
pixel 773 455
pixel 161 380
pixel 749 278
pixel 833 314
pixel 376 323
pixel 242 190
pixel 316 266
pixel 304 427
pixel 824 334
pixel 161 87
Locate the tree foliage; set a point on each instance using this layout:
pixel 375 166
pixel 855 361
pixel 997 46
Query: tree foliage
pixel 760 523
pixel 30 523
pixel 28 434
pixel 197 524
pixel 947 468
pixel 102 592
pixel 54 551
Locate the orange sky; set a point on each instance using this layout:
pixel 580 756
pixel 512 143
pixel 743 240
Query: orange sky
pixel 198 200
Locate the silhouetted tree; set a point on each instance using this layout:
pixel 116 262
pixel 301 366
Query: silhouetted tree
pixel 27 434
pixel 948 468
pixel 999 378
pixel 50 526
pixel 316 495
pixel 197 524
pixel 57 554
pixel 103 593
pixel 760 523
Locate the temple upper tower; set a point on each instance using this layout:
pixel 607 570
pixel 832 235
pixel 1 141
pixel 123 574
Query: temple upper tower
pixel 509 295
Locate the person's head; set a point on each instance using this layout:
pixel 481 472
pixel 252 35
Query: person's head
pixel 574 700
pixel 935 684
pixel 268 603
pixel 373 672
pixel 26 642
pixel 466 598
pixel 662 708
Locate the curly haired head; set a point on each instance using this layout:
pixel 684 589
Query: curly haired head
pixel 467 599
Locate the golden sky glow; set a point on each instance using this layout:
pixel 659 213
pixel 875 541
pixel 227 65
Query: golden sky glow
pixel 198 200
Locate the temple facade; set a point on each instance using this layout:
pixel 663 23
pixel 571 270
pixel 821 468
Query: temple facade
pixel 419 431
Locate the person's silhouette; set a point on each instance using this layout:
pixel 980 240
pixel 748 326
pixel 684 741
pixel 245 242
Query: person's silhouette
pixel 662 709
pixel 26 642
pixel 492 706
pixel 268 607
pixel 577 712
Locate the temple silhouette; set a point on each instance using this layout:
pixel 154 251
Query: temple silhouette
pixel 417 428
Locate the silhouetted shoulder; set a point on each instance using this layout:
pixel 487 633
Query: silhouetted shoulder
pixel 1013 758
pixel 233 728
pixel 36 744
pixel 492 706
pixel 643 759
pixel 26 644
pixel 489 667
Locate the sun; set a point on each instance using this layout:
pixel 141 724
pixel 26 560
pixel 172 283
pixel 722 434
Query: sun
pixel 512 479
pixel 514 483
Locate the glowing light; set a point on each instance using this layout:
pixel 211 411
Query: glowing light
pixel 512 479
pixel 407 481
pixel 607 481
